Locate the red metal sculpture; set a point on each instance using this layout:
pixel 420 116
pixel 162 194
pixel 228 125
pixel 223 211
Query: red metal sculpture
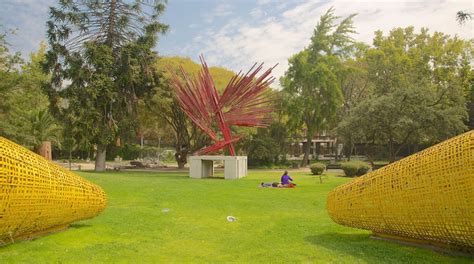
pixel 244 102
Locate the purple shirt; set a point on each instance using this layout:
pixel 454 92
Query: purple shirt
pixel 285 179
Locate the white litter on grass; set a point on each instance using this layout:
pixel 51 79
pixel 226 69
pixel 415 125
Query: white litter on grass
pixel 231 218
pixel 165 210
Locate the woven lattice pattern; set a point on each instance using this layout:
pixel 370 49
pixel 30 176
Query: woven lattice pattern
pixel 36 194
pixel 427 196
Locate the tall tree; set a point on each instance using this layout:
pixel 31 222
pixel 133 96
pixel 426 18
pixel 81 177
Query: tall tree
pixel 311 84
pixel 101 62
pixel 419 85
pixel 355 86
pixel 9 73
pixel 40 127
pixel 26 119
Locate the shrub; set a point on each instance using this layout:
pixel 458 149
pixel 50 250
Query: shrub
pixel 355 168
pixel 295 164
pixel 126 152
pixel 130 152
pixel 363 168
pixel 168 155
pixel 317 168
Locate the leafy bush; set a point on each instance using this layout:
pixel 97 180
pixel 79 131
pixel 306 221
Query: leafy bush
pixel 317 168
pixel 126 152
pixel 363 168
pixel 262 151
pixel 355 168
pixel 350 168
pixel 168 155
pixel 295 164
pixel 267 146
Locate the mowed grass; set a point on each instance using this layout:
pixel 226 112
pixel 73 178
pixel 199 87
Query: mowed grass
pixel 273 225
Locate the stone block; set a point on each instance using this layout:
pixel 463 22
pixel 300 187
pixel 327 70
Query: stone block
pixel 235 167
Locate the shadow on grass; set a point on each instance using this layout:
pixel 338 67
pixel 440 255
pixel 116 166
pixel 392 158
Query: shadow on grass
pixel 363 247
pixel 344 176
pixel 79 225
pixel 215 178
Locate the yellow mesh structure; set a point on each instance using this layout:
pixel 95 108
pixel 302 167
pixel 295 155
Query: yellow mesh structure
pixel 428 196
pixel 37 196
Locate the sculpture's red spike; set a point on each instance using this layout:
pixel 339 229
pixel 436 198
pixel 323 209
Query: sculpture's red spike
pixel 244 100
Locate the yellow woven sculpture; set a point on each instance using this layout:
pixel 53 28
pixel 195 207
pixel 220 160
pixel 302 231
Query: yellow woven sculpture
pixel 426 197
pixel 38 196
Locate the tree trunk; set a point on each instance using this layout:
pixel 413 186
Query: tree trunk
pixel 391 155
pixel 100 158
pixel 181 154
pixel 70 158
pixel 351 148
pixel 307 148
pixel 368 153
pixel 181 158
pixel 45 150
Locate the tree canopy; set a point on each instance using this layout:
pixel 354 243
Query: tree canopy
pixel 101 62
pixel 312 83
pixel 419 85
pixel 26 118
pixel 99 82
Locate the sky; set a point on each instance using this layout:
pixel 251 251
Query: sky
pixel 237 33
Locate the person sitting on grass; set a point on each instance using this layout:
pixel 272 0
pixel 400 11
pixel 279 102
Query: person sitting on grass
pixel 286 180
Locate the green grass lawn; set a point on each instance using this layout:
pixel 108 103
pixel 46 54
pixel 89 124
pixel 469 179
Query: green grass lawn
pixel 274 225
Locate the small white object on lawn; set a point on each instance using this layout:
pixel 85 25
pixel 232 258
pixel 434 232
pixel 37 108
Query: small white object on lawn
pixel 165 210
pixel 231 218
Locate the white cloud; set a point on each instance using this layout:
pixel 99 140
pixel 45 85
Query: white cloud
pixel 263 2
pixel 242 41
pixel 29 17
pixel 257 13
pixel 223 9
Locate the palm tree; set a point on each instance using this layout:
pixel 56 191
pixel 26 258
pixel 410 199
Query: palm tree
pixel 42 130
pixel 464 16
